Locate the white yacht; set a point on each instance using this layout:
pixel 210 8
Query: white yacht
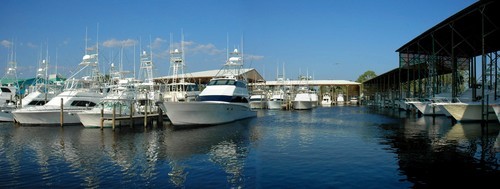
pixel 7 102
pixel 178 88
pixel 340 99
pixel 42 89
pixel 9 88
pixel 326 100
pixel 121 100
pixel 225 99
pixel 354 100
pixel 465 109
pixel 469 111
pixel 303 99
pixel 78 95
pixel 147 89
pixel 71 100
pixel 181 92
pixel 277 101
pixel 258 99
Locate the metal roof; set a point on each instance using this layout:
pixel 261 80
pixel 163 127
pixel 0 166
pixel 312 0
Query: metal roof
pixel 313 82
pixel 204 76
pixel 466 33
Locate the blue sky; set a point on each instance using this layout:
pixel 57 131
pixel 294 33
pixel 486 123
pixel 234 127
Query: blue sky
pixel 326 39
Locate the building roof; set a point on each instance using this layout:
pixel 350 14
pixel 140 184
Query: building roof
pixel 473 30
pixel 204 76
pixel 314 82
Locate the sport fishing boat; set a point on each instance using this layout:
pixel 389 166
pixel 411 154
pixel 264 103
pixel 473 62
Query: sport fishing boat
pixel 225 99
pixel 326 100
pixel 120 100
pixel 303 100
pixel 277 100
pixel 9 88
pixel 258 99
pixel 179 89
pixel 82 91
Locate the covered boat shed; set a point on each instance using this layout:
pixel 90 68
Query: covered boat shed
pixel 442 54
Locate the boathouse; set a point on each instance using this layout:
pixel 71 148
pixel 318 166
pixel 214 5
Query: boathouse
pixel 458 53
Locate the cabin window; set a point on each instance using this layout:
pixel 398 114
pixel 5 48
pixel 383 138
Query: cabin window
pixel 6 90
pixel 223 98
pixel 37 102
pixel 82 103
pixel 241 84
pixel 142 102
pixel 192 88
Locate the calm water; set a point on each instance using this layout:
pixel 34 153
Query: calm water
pixel 328 147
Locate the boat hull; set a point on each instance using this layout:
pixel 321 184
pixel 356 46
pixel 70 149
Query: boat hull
pixel 207 113
pixel 275 105
pixel 302 105
pixel 258 104
pixel 326 103
pixel 93 119
pixel 6 116
pixel 467 112
pixel 429 109
pixel 496 108
pixel 46 117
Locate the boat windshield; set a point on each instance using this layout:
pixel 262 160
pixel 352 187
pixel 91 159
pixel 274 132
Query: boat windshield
pixel 228 82
pixel 222 82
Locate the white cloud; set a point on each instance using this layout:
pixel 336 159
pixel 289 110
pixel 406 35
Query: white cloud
pixel 66 42
pixel 157 43
pixel 6 44
pixel 119 43
pixel 31 45
pixel 253 57
pixel 206 49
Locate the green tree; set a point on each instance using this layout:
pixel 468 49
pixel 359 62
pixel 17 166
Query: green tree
pixel 366 76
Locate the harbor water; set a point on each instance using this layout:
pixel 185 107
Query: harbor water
pixel 326 147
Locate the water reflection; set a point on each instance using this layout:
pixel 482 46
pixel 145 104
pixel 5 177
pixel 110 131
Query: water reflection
pixel 433 152
pixel 76 156
pixel 333 147
pixel 226 146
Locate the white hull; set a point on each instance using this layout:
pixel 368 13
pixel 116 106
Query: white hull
pixel 302 105
pixel 467 111
pixel 274 105
pixel 427 109
pixel 93 119
pixel 496 108
pixel 441 107
pixel 6 117
pixel 6 114
pixel 258 104
pixel 207 113
pixel 326 103
pixel 46 116
pixel 314 104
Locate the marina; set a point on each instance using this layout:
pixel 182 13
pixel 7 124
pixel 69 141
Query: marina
pixel 431 121
pixel 327 147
